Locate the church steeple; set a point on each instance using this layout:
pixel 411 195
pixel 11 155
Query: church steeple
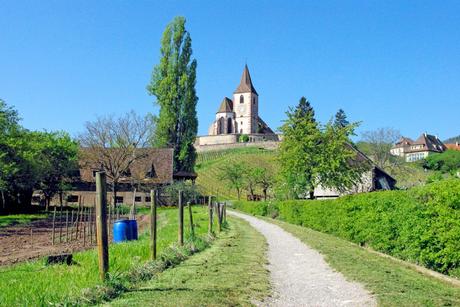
pixel 245 83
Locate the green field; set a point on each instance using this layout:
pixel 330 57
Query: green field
pixel 19 219
pixel 34 284
pixel 230 273
pixel 209 163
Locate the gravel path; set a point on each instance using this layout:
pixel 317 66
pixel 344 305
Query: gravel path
pixel 299 274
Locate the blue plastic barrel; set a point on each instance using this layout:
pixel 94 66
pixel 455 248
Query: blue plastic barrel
pixel 133 230
pixel 121 231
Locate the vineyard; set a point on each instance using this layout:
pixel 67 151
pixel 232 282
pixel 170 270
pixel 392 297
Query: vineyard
pixel 209 166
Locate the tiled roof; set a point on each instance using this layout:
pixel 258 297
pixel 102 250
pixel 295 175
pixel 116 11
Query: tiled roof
pixel 226 106
pixel 245 83
pixel 430 143
pixel 453 146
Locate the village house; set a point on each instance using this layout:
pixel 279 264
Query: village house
pixel 238 116
pixel 455 146
pixel 419 149
pixel 153 169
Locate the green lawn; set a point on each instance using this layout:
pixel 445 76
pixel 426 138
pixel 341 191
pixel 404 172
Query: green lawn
pixel 230 273
pixel 14 219
pixel 393 283
pixel 34 284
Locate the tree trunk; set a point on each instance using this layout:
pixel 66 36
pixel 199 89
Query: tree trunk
pixel 2 194
pixel 60 199
pixel 238 192
pixel 265 194
pixel 114 190
pixel 312 194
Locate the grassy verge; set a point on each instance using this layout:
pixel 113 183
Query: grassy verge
pixel 14 219
pixel 393 283
pixel 34 284
pixel 231 272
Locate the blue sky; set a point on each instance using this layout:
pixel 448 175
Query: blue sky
pixel 386 63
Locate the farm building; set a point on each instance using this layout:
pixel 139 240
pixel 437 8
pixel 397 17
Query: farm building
pixel 152 168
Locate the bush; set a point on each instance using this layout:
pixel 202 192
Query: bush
pixel 244 138
pixel 446 162
pixel 421 225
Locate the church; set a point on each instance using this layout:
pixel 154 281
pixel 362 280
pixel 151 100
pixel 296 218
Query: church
pixel 237 119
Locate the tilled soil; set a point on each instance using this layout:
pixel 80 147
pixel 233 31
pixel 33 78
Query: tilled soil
pixel 34 240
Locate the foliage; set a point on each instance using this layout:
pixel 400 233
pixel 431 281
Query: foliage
pixel 452 140
pixel 244 138
pixel 446 162
pixel 340 119
pixel 421 225
pixel 234 174
pixel 31 160
pixel 312 155
pixel 189 190
pixel 173 84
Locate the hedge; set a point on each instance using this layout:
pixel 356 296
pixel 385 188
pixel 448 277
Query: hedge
pixel 421 225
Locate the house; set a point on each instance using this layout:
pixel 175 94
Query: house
pixel 238 116
pixel 153 168
pixel 419 149
pixel 374 179
pixel 455 146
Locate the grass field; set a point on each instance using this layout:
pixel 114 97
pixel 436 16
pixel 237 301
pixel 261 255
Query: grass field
pixel 15 219
pixel 393 283
pixel 209 163
pixel 34 284
pixel 229 273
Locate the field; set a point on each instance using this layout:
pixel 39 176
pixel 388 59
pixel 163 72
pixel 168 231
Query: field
pixel 40 285
pixel 209 164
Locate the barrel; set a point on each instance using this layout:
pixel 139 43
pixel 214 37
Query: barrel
pixel 133 230
pixel 121 231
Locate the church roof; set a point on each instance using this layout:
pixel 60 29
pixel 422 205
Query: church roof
pixel 226 106
pixel 245 83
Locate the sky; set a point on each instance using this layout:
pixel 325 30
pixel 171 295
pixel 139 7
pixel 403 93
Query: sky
pixel 386 63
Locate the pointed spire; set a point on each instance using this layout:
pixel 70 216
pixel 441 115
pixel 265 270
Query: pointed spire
pixel 245 83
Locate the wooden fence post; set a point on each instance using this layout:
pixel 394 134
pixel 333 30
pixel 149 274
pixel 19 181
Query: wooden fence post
pixel 153 223
pixel 192 228
pixel 101 224
pixel 209 215
pixel 219 217
pixel 67 226
pixel 181 219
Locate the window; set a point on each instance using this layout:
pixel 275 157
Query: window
pixel 151 173
pixel 148 199
pixel 119 200
pixel 241 99
pixel 72 198
pixel 137 199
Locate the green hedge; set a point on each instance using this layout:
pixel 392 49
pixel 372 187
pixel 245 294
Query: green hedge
pixel 421 225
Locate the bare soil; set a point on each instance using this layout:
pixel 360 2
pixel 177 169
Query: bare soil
pixel 24 242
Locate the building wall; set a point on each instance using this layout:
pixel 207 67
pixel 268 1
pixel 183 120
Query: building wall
pixel 216 139
pixel 415 156
pixel 366 185
pixel 246 113
pixel 215 147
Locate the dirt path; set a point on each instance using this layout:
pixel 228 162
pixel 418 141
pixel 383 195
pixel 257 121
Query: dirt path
pixel 300 275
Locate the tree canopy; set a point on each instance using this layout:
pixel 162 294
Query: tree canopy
pixel 173 84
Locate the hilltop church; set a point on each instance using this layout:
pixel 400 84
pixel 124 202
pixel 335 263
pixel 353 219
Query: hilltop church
pixel 238 117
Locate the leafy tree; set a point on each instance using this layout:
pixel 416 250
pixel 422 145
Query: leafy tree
pixel 234 174
pixel 299 152
pixel 446 162
pixel 173 84
pixel 264 179
pixel 340 119
pixel 251 178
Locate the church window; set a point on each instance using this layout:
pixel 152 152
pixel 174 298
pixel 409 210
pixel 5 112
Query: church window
pixel 241 99
pixel 254 101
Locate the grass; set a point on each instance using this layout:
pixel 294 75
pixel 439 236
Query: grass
pixel 229 273
pixel 209 163
pixel 34 284
pixel 393 283
pixel 15 219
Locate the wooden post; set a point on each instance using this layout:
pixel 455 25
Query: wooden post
pixel 60 225
pixel 181 219
pixel 84 225
pixel 101 224
pixel 209 214
pixel 71 225
pixel 153 223
pixel 219 217
pixel 91 225
pixel 192 227
pixel 67 226
pixel 54 224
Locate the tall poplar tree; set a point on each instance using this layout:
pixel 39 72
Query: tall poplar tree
pixel 173 84
pixel 340 119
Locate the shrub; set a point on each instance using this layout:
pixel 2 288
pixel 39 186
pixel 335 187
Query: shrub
pixel 421 225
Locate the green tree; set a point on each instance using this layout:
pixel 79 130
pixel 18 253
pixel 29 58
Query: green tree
pixel 173 84
pixel 264 178
pixel 299 152
pixel 234 174
pixel 340 119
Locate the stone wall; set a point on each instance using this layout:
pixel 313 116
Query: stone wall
pixel 215 147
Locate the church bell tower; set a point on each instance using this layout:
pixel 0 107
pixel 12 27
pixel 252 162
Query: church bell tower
pixel 246 105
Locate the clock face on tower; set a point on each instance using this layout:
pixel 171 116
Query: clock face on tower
pixel 242 109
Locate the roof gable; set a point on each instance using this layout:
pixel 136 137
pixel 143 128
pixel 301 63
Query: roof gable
pixel 226 106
